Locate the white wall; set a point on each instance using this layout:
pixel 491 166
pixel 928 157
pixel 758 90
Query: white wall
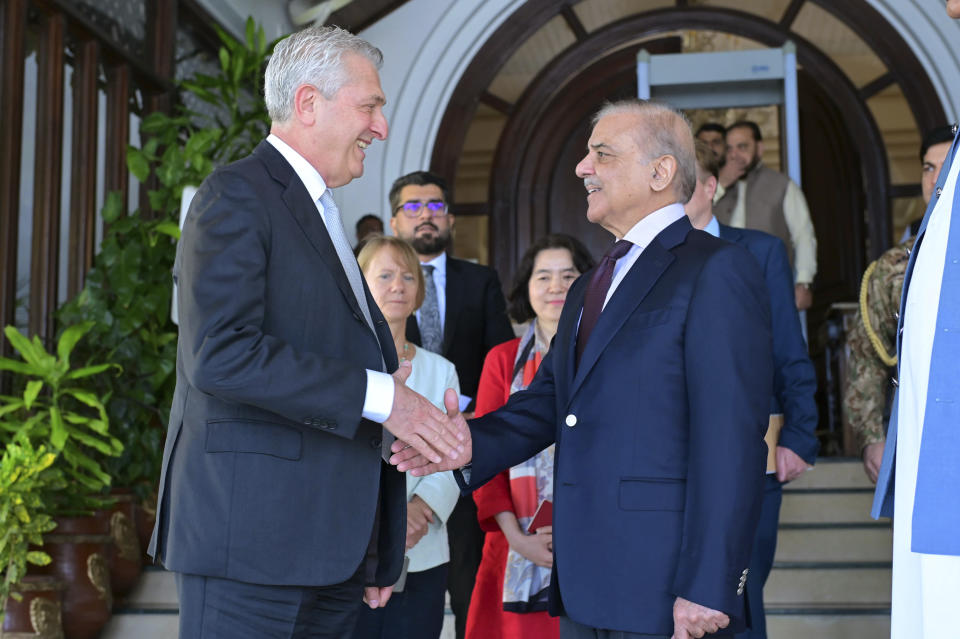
pixel 427 45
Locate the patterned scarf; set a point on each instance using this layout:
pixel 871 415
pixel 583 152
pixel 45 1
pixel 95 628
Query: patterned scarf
pixel 525 583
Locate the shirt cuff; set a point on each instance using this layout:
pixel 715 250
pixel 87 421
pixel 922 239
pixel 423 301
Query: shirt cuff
pixel 378 402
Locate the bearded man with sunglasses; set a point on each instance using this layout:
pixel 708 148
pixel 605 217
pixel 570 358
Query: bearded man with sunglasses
pixel 462 317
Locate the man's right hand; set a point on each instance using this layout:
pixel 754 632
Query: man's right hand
pixel 729 173
pixel 414 420
pixel 872 460
pixel 407 457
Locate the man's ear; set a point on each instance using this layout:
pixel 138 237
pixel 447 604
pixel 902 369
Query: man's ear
pixel 664 168
pixel 711 187
pixel 307 101
pixel 760 149
pixel 393 225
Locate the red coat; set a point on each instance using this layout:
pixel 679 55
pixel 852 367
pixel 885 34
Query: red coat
pixel 487 618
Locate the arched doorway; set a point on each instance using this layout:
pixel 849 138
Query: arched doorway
pixel 850 181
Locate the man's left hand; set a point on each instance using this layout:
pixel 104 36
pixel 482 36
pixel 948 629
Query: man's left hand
pixel 804 296
pixel 377 597
pixel 419 518
pixel 789 465
pixel 693 620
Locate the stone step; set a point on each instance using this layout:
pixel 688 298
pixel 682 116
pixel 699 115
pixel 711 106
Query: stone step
pixel 869 542
pixel 834 584
pixel 828 623
pixel 821 505
pixel 833 472
pixel 156 589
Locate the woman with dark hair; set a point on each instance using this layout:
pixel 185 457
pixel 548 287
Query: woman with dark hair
pixel 510 595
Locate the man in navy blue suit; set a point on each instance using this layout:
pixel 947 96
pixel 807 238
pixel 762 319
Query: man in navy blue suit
pixel 793 410
pixel 657 393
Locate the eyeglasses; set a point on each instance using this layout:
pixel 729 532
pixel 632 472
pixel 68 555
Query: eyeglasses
pixel 413 208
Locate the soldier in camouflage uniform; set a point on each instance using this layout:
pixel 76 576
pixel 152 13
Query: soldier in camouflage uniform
pixel 873 344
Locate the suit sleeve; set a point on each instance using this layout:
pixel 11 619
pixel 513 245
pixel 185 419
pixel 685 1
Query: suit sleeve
pixel 729 375
pixel 222 266
pixel 795 381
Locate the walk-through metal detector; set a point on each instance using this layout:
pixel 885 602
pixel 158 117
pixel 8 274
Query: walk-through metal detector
pixel 727 79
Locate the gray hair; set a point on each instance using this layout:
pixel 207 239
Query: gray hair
pixel 663 130
pixel 311 56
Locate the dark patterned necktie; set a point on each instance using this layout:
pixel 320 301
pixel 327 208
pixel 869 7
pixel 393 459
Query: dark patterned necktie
pixel 431 334
pixel 597 293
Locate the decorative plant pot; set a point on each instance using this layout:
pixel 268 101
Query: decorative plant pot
pixel 79 549
pixel 125 554
pixel 37 614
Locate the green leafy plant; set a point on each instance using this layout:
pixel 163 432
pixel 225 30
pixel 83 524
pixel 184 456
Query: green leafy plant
pixel 27 475
pixel 53 410
pixel 128 291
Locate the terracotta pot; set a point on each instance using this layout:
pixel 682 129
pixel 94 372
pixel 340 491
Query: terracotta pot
pixel 80 547
pixel 125 553
pixel 37 614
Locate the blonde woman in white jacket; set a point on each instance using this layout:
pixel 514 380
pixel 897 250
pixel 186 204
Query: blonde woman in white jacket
pixel 415 610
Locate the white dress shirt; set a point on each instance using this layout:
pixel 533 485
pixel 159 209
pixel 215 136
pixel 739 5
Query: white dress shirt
pixel 640 235
pixel 378 401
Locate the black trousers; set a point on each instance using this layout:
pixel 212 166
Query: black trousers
pixel 466 548
pixel 213 608
pixel 415 613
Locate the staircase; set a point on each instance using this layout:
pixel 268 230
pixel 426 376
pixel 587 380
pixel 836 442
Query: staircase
pixel 830 580
pixel 831 573
pixel 151 610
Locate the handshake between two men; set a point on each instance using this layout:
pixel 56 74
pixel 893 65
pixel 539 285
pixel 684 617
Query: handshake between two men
pixel 427 440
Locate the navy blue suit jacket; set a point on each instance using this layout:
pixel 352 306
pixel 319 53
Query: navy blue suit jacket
pixel 795 380
pixel 659 434
pixel 270 475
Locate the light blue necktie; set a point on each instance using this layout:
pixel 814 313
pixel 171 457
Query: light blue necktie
pixel 345 253
pixel 354 276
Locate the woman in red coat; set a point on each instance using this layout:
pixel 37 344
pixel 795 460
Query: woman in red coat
pixel 510 595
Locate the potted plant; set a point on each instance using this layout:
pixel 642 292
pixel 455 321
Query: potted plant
pixel 59 424
pixel 26 476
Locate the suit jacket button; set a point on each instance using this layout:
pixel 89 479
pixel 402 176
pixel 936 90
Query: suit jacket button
pixel 375 442
pixel 571 420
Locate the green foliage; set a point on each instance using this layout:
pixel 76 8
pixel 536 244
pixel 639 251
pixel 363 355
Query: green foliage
pixel 127 293
pixel 55 411
pixel 27 477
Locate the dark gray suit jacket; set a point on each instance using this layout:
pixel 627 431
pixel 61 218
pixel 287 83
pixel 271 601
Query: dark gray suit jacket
pixel 270 474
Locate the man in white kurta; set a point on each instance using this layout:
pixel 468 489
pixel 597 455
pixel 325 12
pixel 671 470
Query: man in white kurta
pixel 926 587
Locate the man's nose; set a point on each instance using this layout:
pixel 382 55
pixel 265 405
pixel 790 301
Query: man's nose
pixel 584 168
pixel 379 127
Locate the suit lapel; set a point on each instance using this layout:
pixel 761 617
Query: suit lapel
pixel 730 234
pixel 453 293
pixel 644 273
pixel 305 213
